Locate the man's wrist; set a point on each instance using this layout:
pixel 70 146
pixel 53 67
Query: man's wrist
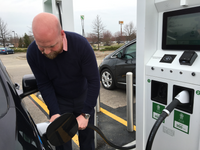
pixel 86 116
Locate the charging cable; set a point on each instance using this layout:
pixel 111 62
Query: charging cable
pixel 181 98
pixel 59 11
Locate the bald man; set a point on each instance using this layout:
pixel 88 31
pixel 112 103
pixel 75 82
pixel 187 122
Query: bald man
pixel 67 75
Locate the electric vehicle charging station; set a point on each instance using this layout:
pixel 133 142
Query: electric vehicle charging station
pixel 162 73
pixel 66 9
pixel 163 70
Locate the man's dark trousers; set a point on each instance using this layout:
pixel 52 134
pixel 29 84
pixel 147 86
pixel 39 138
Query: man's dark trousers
pixel 86 137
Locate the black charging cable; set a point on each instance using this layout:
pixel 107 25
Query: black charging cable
pixel 60 17
pixel 106 140
pixel 181 98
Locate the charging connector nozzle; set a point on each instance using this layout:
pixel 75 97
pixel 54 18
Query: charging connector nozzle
pixel 183 97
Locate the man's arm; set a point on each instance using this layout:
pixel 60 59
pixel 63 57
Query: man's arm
pixel 91 72
pixel 44 85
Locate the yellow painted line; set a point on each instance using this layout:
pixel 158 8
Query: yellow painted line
pixel 44 107
pixel 75 138
pixel 41 103
pixel 120 120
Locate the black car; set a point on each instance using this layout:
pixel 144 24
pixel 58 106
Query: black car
pixel 17 129
pixel 114 67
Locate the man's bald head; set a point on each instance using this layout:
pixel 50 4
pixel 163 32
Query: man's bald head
pixel 48 34
pixel 45 25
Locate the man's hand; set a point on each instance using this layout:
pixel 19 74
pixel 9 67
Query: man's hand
pixel 82 122
pixel 54 117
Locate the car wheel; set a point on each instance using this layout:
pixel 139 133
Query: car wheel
pixel 107 79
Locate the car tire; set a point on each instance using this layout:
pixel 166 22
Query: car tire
pixel 107 79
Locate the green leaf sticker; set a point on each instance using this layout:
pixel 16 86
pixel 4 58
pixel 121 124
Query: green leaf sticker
pixel 198 92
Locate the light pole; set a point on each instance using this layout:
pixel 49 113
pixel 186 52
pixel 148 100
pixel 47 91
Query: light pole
pixel 121 23
pixel 14 38
pixel 17 41
pixel 82 23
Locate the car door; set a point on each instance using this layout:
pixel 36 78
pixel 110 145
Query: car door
pixel 126 63
pixel 9 50
pixel 16 126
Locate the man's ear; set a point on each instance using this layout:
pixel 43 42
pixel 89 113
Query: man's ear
pixel 62 32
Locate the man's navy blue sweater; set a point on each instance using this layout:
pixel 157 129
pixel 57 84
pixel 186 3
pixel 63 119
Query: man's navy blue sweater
pixel 68 75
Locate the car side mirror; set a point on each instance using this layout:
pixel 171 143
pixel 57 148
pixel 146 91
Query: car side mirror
pixel 29 85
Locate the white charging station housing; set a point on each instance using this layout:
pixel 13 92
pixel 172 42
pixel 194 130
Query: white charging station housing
pixel 66 12
pixel 181 130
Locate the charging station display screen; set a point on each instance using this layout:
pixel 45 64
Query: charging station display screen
pixel 181 29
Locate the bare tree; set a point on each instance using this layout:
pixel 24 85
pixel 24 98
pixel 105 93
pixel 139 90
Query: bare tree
pixel 92 38
pixel 107 36
pixel 98 28
pixel 130 31
pixel 30 34
pixel 119 37
pixel 4 33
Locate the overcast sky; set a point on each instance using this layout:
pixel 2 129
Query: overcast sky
pixel 18 14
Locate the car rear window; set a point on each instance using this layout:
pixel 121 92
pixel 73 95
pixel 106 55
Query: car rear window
pixel 3 99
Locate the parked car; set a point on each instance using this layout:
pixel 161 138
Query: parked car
pixel 114 67
pixel 17 129
pixel 6 50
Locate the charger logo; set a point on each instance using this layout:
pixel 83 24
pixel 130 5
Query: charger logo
pixel 158 107
pixel 181 116
pixel 198 92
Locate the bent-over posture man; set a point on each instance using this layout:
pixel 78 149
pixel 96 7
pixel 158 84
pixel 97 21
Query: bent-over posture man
pixel 67 75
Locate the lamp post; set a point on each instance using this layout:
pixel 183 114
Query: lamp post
pixel 82 23
pixel 14 38
pixel 121 23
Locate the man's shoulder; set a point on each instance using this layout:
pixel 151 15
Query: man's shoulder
pixel 32 46
pixel 73 36
pixel 33 50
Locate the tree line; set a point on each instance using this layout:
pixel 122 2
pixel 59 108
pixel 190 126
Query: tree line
pixel 99 35
pixel 6 37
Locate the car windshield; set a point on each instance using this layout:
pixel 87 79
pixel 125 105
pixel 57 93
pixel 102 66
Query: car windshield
pixel 130 50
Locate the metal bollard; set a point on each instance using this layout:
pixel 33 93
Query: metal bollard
pixel 96 124
pixel 129 100
pixel 98 103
